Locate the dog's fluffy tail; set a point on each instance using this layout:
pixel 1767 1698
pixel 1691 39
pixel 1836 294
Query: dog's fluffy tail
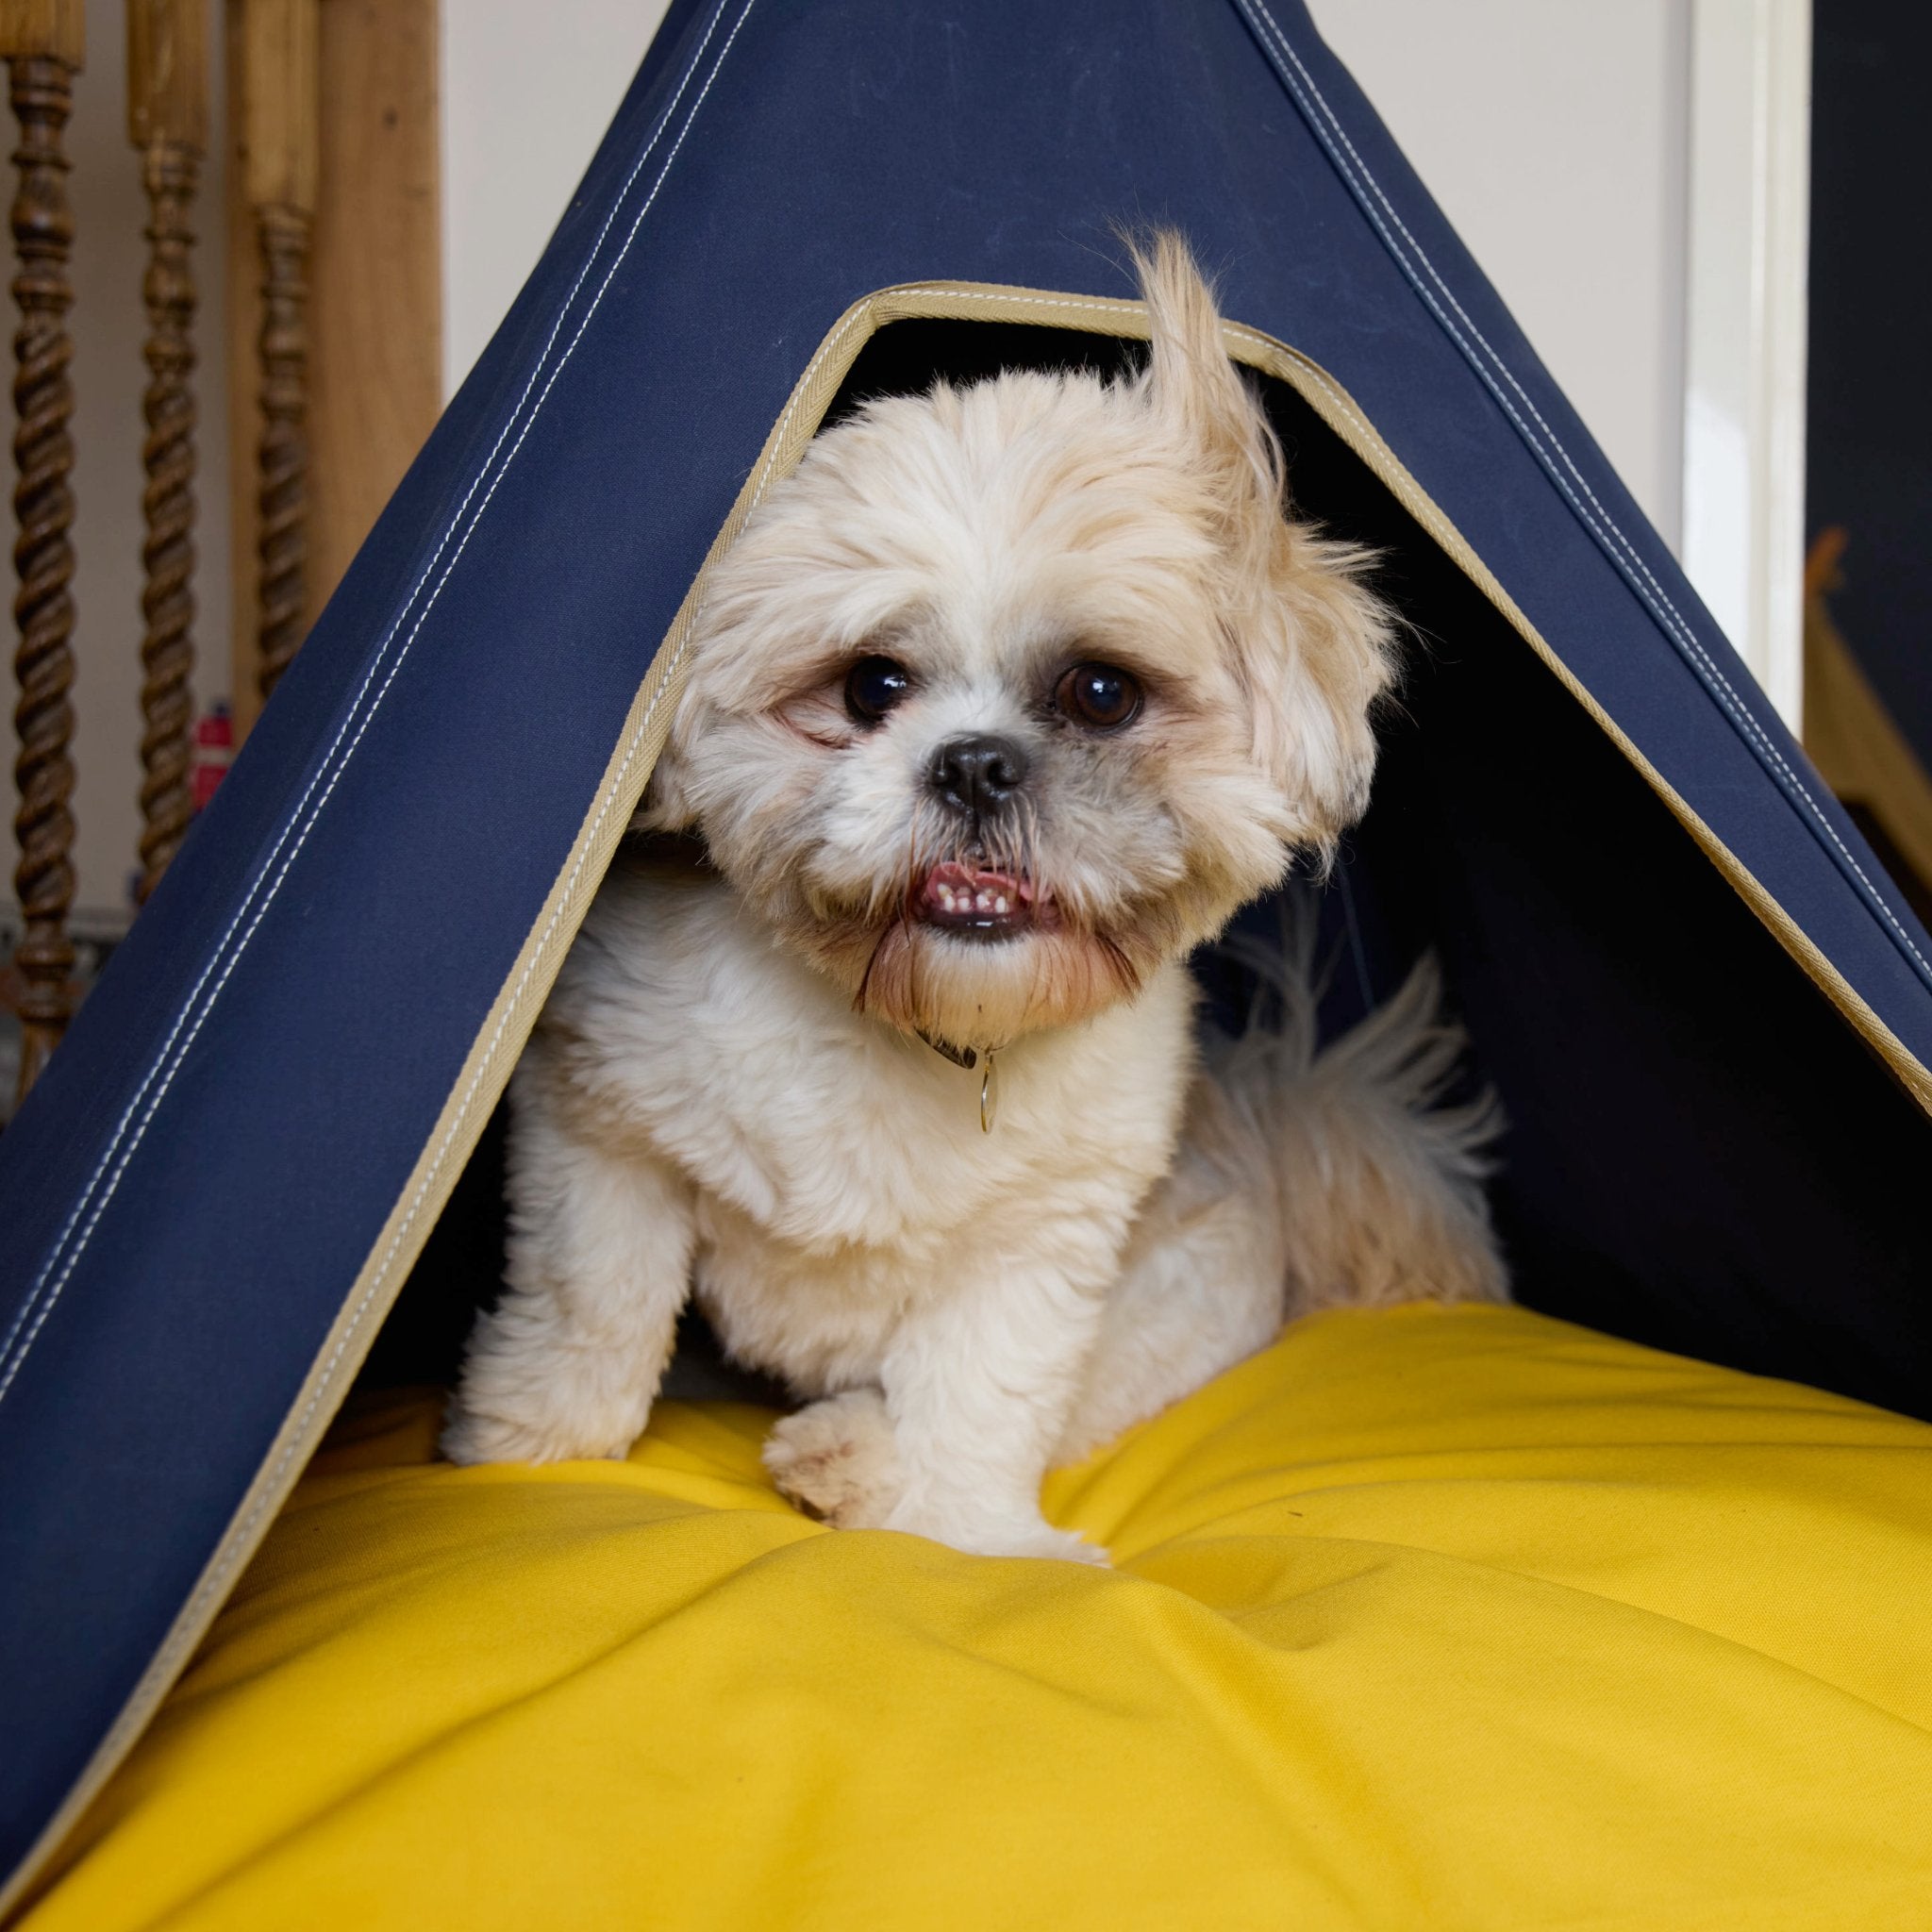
pixel 1304 1179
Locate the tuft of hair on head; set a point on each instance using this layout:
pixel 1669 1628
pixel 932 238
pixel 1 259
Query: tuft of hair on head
pixel 1313 647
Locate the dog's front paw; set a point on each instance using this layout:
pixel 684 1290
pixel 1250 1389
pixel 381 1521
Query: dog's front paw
pixel 470 1435
pixel 1034 1539
pixel 980 1534
pixel 837 1459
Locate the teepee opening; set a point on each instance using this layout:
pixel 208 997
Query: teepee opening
pixel 1664 1064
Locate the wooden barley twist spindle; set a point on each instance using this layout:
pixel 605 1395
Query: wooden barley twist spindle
pixel 167 121
pixel 282 538
pixel 167 552
pixel 42 77
pixel 280 90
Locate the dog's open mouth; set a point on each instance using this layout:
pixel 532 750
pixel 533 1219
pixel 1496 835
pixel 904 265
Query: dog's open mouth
pixel 977 901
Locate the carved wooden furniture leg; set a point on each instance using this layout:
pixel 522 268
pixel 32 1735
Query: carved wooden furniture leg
pixel 282 540
pixel 42 45
pixel 280 78
pixel 167 121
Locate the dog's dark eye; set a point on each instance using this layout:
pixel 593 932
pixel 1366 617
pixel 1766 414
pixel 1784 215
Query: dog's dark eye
pixel 1103 697
pixel 874 686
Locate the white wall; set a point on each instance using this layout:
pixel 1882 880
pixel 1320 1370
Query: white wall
pixel 1554 135
pixel 108 324
pixel 523 112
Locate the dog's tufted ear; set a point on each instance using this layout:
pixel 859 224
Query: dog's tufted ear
pixel 1313 647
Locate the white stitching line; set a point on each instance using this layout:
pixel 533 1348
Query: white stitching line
pixel 586 842
pixel 1675 623
pixel 167 1046
pixel 1104 305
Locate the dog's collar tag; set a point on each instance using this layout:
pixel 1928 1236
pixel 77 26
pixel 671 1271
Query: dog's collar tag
pixel 989 1093
pixel 968 1058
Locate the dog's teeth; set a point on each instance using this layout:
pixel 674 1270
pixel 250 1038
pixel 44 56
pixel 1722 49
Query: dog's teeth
pixel 963 900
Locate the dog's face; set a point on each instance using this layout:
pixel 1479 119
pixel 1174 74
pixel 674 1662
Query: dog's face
pixel 1011 692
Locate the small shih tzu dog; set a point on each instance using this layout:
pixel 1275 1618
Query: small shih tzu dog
pixel 1002 704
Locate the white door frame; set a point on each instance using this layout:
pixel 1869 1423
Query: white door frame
pixel 1746 327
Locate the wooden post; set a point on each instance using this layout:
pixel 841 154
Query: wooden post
pixel 42 42
pixel 374 319
pixel 280 62
pixel 167 121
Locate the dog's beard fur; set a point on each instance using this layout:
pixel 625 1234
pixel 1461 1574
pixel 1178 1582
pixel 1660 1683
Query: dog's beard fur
pixel 988 538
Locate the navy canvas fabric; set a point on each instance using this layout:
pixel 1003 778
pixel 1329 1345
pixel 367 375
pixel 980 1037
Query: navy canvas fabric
pixel 190 1193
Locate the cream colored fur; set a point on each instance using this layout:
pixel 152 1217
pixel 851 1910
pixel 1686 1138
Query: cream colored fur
pixel 729 1095
pixel 1306 1179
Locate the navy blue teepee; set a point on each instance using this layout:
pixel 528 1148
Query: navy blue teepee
pixel 1708 1013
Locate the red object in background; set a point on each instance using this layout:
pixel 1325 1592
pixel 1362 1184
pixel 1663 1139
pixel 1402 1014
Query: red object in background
pixel 214 749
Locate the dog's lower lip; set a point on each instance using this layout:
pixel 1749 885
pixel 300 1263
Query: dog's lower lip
pixel 977 901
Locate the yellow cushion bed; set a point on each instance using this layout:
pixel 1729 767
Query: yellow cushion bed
pixel 1424 1618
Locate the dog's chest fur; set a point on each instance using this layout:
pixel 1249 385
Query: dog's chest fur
pixel 840 1168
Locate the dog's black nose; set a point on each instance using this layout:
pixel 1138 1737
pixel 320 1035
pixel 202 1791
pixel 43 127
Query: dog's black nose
pixel 979 774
